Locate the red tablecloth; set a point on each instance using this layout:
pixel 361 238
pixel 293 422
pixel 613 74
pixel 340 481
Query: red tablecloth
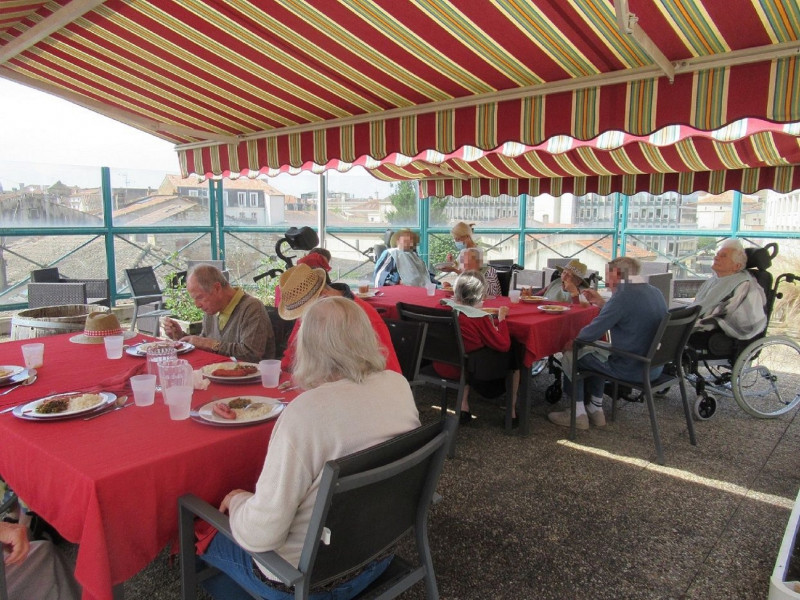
pixel 111 484
pixel 541 333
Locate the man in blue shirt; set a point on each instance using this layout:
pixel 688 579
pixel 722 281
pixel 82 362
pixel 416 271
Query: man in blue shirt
pixel 631 316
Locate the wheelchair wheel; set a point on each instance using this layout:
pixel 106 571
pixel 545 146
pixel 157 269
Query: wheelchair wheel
pixel 704 407
pixel 553 392
pixel 766 377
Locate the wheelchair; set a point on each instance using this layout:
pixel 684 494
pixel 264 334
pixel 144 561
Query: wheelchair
pixel 761 374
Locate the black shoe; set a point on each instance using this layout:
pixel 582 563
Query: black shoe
pixel 465 418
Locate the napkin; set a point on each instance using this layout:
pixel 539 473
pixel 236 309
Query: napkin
pixel 198 381
pixel 119 383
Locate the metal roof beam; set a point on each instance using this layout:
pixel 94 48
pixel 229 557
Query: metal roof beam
pixel 44 28
pixel 629 25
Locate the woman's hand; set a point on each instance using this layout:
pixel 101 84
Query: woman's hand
pixel 14 537
pixel 502 313
pixel 226 501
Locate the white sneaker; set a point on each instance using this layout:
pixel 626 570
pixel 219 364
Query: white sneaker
pixel 597 418
pixel 561 417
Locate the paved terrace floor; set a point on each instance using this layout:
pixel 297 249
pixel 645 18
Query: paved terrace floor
pixel 541 517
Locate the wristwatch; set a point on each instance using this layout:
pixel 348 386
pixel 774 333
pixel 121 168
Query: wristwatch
pixel 216 346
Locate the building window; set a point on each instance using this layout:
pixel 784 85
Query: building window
pixel 194 193
pixel 241 198
pixel 253 198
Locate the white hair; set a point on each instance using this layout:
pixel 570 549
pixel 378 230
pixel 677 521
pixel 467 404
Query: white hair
pixel 738 255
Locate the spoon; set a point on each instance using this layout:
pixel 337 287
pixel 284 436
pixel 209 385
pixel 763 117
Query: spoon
pixel 31 378
pixel 119 403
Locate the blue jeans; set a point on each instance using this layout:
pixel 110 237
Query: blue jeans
pixel 594 385
pixel 237 572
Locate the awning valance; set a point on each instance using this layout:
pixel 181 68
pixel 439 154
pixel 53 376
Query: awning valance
pixel 244 86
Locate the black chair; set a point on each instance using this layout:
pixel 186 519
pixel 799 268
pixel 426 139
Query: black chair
pixel 49 275
pixel 365 504
pixel 408 338
pixel 281 329
pixel 148 301
pixel 666 348
pixel 56 294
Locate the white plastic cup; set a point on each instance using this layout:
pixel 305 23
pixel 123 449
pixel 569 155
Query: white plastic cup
pixel 430 287
pixel 113 344
pixel 270 373
pixel 157 355
pixel 144 389
pixel 33 355
pixel 514 295
pixel 179 400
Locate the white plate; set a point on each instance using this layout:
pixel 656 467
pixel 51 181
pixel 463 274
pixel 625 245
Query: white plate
pixel 369 294
pixel 208 369
pixel 553 308
pixel 532 299
pixel 12 371
pixel 28 411
pixel 141 349
pixel 207 415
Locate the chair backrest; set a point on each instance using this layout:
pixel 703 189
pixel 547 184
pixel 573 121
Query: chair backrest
pixel 662 281
pixel 56 294
pixel 651 267
pixel 758 261
pixel 686 287
pixel 142 281
pixel 528 278
pixel 504 277
pixel 673 334
pixel 370 499
pixel 552 263
pixel 281 329
pixel 408 338
pixel 502 263
pixel 50 275
pixel 443 341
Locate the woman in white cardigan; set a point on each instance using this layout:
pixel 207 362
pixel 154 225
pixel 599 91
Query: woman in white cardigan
pixel 351 402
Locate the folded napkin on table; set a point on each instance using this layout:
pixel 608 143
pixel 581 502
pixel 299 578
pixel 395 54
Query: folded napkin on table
pixel 198 381
pixel 119 383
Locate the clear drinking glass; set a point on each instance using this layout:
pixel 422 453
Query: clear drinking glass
pixel 156 355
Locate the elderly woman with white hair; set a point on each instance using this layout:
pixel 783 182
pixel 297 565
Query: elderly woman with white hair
pixel 731 300
pixel 351 403
pixel 478 330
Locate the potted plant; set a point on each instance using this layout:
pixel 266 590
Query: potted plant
pixel 183 309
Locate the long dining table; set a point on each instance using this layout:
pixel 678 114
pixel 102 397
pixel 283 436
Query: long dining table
pixel 111 484
pixel 539 334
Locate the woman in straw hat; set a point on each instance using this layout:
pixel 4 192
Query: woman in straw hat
pixel 351 403
pixel 570 285
pixel 302 286
pixel 401 263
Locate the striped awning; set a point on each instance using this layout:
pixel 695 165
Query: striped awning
pixel 463 94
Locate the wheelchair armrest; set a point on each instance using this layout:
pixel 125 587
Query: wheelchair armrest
pixel 221 522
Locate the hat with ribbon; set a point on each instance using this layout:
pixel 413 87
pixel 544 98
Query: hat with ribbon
pixel 99 325
pixel 577 268
pixel 299 286
pixel 401 232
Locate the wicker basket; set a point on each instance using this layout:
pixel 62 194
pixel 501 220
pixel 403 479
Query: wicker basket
pixel 50 320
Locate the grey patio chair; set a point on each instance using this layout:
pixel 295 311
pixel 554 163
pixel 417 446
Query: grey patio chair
pixel 56 294
pixel 408 338
pixel 148 302
pixel 366 502
pixel 666 348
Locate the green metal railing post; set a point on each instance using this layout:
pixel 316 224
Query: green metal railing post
pixel 217 216
pixel 620 225
pixel 523 217
pixel 108 235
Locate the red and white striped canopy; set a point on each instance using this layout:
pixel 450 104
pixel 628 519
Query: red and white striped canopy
pixel 466 95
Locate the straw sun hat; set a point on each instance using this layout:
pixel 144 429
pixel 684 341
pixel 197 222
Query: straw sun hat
pixel 576 267
pixel 299 286
pixel 99 325
pixel 414 237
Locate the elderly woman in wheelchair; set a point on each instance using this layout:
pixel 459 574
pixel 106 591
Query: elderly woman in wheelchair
pixel 730 343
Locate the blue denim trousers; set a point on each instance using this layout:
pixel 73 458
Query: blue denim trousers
pixel 237 573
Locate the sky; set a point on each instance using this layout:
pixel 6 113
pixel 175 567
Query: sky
pixel 44 138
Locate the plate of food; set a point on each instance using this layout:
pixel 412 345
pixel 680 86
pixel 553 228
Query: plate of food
pixel 141 349
pixel 9 371
pixel 553 308
pixel 369 294
pixel 532 299
pixel 490 310
pixel 63 406
pixel 232 372
pixel 239 410
pixel 446 266
pixel 18 378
